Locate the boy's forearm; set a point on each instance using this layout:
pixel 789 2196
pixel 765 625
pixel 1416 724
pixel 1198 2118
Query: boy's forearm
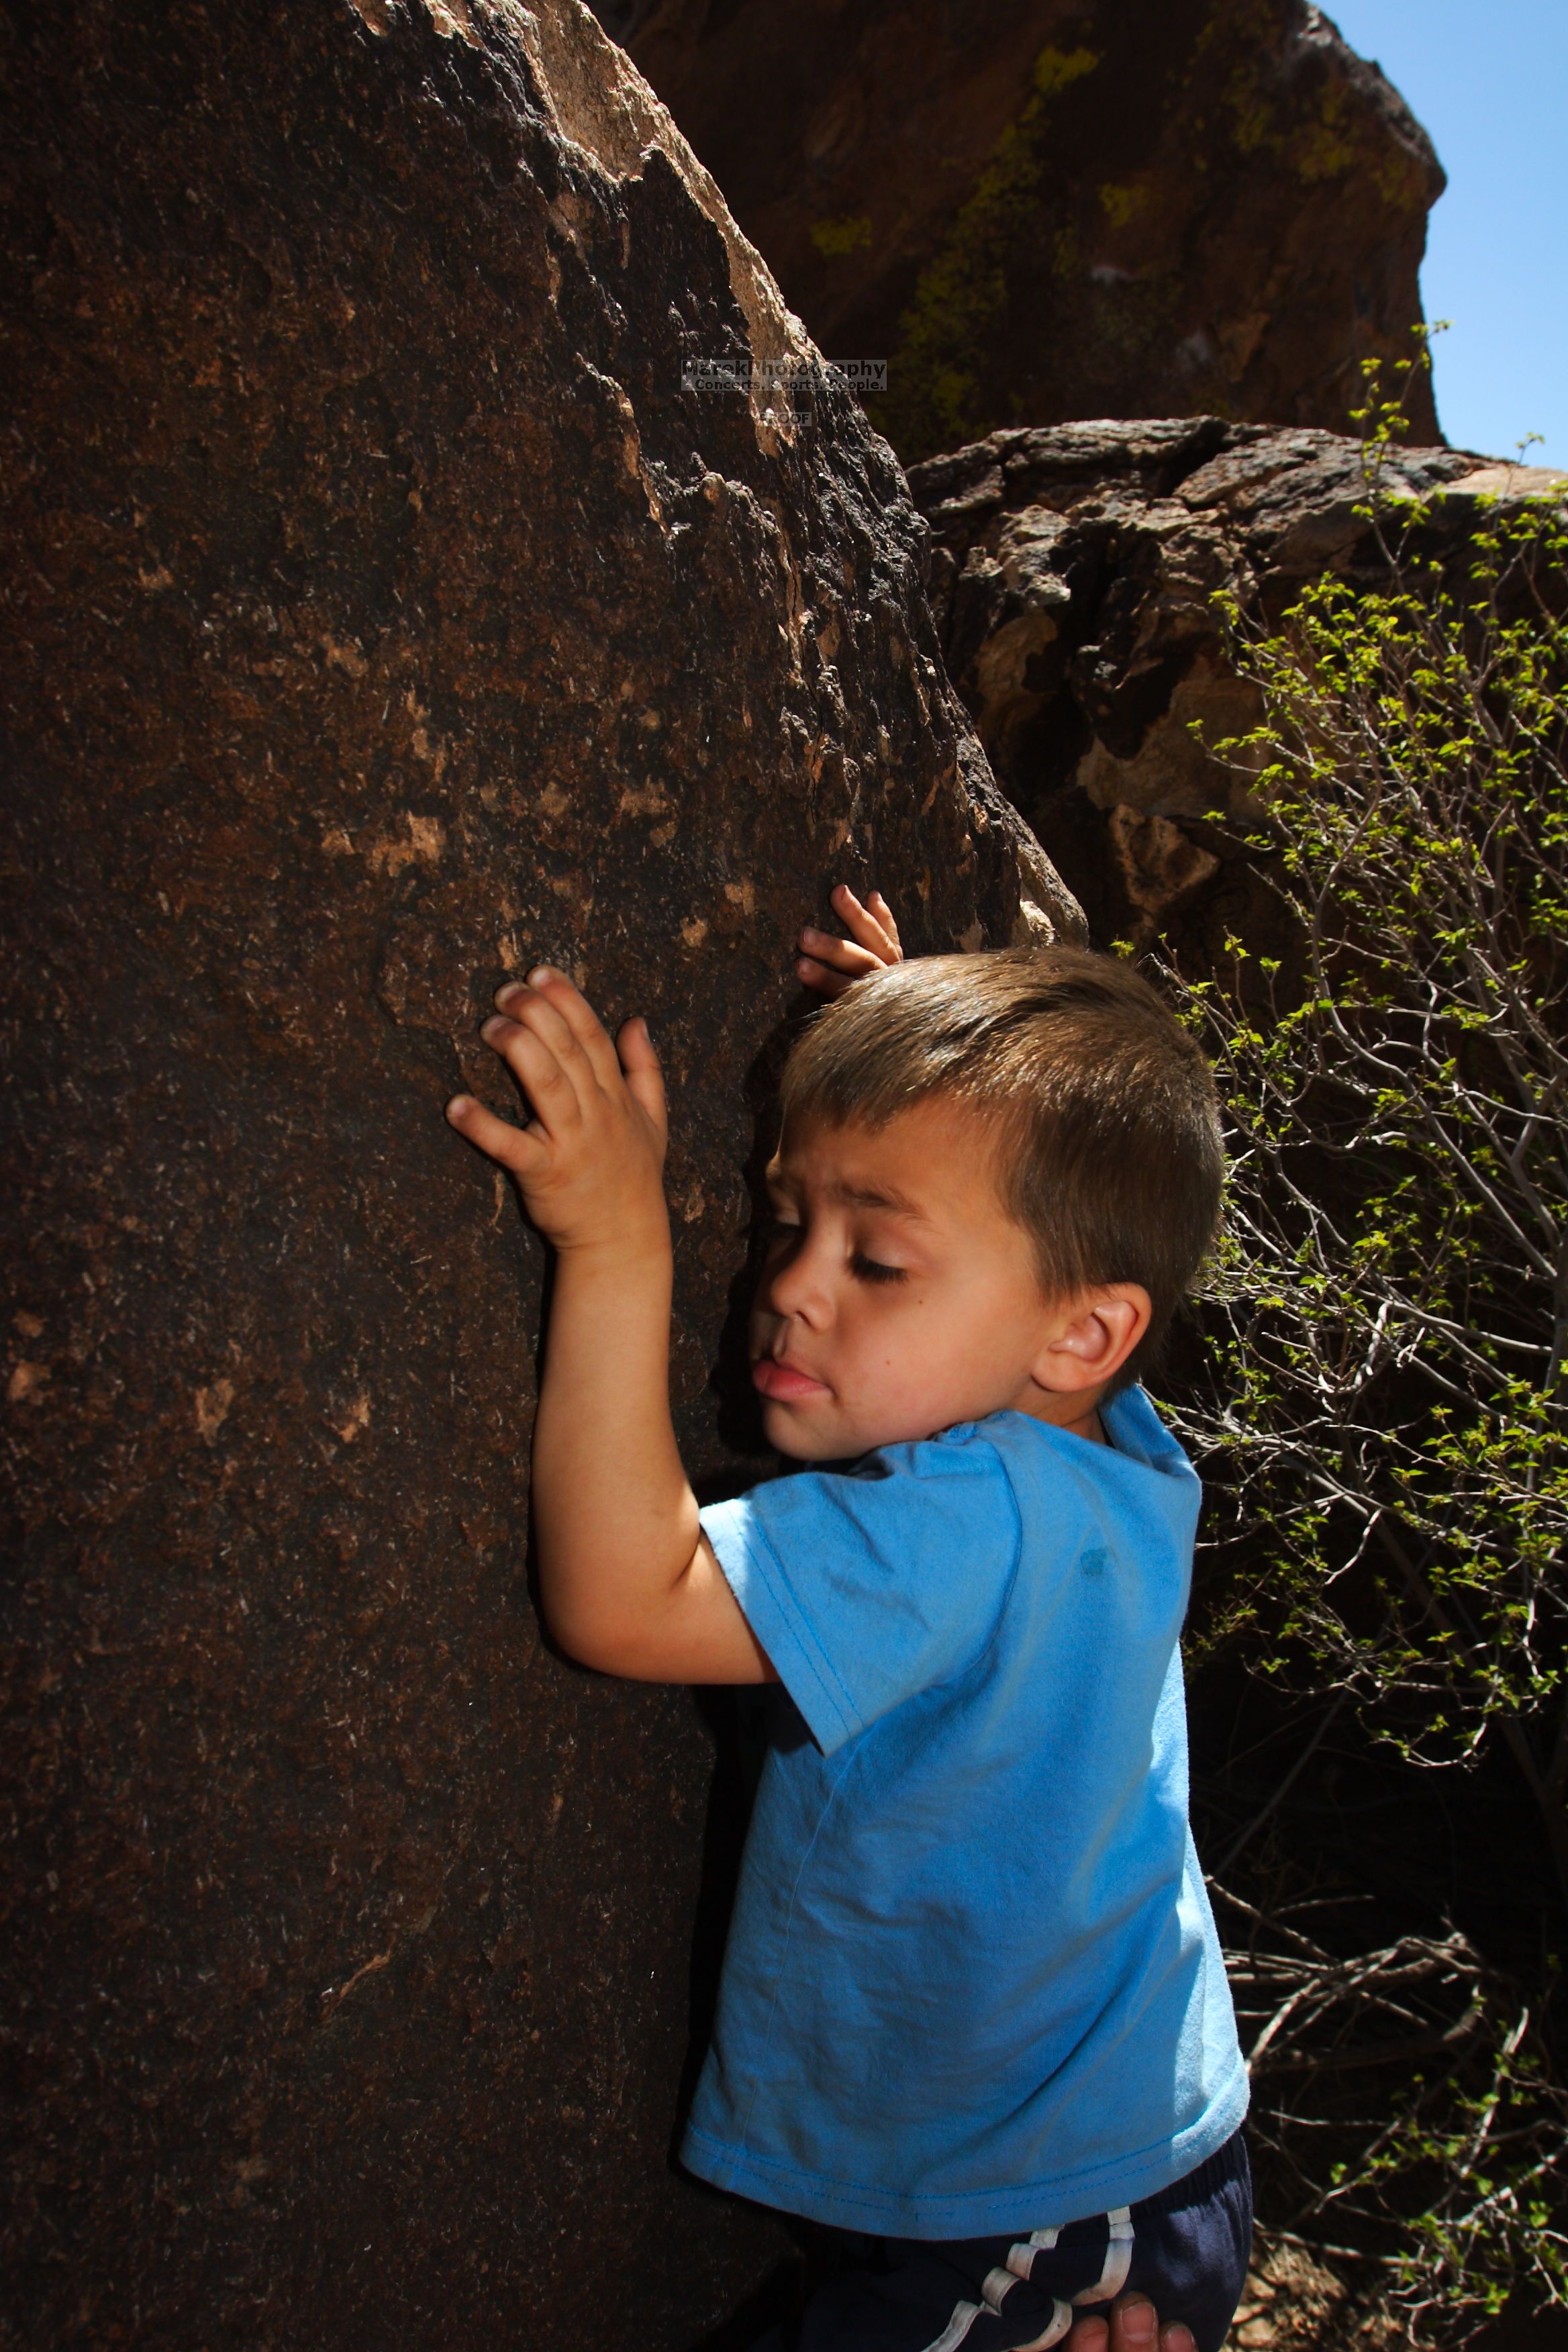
pixel 627 1582
pixel 615 1516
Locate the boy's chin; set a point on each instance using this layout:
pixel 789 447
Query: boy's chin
pixel 799 1436
pixel 804 1435
pixel 789 1432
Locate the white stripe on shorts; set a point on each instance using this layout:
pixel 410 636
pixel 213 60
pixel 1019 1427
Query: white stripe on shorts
pixel 1021 2259
pixel 999 2283
pixel 1060 2321
pixel 1118 2259
pixel 964 2318
pixel 966 2313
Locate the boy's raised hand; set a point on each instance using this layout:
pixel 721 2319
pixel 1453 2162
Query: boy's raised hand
pixel 828 965
pixel 589 1161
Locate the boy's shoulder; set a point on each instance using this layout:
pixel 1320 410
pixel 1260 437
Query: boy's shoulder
pixel 1138 1488
pixel 965 1450
pixel 1012 1450
pixel 958 1474
pixel 1137 1442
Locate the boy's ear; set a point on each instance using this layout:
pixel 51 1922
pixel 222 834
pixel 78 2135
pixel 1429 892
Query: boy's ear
pixel 1091 1338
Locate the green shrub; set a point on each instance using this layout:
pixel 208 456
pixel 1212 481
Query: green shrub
pixel 1384 1408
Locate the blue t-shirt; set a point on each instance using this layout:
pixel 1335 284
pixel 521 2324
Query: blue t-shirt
pixel 973 1983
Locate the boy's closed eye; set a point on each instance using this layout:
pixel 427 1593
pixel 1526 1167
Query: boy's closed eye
pixel 780 1233
pixel 783 1223
pixel 872 1269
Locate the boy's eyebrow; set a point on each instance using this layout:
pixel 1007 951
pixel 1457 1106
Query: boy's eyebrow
pixel 859 1196
pixel 878 1196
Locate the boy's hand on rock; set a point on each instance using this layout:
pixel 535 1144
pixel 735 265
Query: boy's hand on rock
pixel 829 965
pixel 589 1161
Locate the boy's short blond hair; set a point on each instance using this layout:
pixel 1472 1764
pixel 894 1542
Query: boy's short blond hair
pixel 1103 1108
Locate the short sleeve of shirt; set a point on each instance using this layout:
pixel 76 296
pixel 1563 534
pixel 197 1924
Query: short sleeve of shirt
pixel 868 1585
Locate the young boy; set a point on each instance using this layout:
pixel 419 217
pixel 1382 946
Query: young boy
pixel 972 2005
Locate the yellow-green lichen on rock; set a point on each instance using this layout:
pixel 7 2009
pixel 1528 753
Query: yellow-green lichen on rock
pixel 1058 69
pixel 838 236
pixel 1070 208
pixel 930 401
pixel 1326 149
pixel 1122 205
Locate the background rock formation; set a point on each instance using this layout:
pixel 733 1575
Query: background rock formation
pixel 381 612
pixel 1063 208
pixel 1074 575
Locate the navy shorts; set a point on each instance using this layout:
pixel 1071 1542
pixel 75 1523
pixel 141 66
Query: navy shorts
pixel 1186 2249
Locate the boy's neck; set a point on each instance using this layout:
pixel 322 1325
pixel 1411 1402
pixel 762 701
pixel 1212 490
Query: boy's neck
pixel 1078 1417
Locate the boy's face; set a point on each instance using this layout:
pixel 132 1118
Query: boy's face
pixel 898 1297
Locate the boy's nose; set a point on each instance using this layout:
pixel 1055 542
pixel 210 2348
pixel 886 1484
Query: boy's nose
pixel 797 1287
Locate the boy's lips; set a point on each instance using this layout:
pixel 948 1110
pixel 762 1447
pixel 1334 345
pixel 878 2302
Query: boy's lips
pixel 784 1384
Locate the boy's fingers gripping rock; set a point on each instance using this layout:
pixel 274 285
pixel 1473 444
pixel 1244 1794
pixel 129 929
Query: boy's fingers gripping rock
pixel 568 1003
pixel 532 1011
pixel 879 916
pixel 830 965
pixel 533 1064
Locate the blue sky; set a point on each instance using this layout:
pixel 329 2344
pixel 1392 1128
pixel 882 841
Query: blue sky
pixel 1490 83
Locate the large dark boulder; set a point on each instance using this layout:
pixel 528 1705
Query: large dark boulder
pixel 1046 209
pixel 1074 577
pixel 382 610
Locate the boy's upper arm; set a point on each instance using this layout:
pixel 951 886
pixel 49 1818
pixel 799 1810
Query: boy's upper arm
pixel 698 1635
pixel 863 1588
pixel 712 1628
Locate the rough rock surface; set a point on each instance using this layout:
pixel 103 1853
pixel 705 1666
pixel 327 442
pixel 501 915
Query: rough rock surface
pixel 1074 208
pixel 1074 574
pixel 382 611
